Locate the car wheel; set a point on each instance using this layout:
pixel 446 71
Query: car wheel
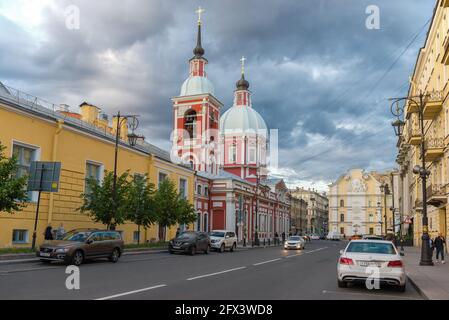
pixel 342 284
pixel 234 246
pixel 78 258
pixel 192 250
pixel 222 248
pixel 207 250
pixel 115 255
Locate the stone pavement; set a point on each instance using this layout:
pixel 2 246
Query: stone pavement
pixel 431 281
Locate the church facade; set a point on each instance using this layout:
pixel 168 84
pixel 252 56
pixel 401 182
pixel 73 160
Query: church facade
pixel 228 152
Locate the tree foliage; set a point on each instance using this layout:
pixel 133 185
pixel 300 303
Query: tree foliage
pixel 98 200
pixel 13 195
pixel 171 208
pixel 141 205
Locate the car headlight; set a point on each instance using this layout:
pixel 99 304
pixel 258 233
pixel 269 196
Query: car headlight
pixel 62 250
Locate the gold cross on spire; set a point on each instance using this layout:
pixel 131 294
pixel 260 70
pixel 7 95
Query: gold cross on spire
pixel 200 11
pixel 243 64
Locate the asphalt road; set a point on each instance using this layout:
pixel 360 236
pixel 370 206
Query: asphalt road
pixel 248 274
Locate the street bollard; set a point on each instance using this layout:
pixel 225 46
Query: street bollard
pixel 264 242
pixel 244 242
pixel 269 242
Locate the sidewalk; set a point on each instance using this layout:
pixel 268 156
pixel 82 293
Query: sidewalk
pixel 431 281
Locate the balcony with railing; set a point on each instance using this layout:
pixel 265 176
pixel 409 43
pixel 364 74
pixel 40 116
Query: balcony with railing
pixel 433 105
pixel 434 148
pixel 436 195
pixel 413 133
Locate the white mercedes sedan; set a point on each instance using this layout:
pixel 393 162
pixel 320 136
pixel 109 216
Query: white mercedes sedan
pixel 373 262
pixel 295 242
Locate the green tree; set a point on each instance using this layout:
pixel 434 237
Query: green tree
pixel 98 200
pixel 13 195
pixel 141 205
pixel 171 208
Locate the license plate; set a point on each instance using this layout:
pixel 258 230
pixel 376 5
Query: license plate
pixel 175 247
pixel 45 254
pixel 370 264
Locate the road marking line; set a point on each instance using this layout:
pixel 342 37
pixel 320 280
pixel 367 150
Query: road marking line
pixel 132 292
pixel 215 273
pixel 316 250
pixel 264 262
pixel 294 255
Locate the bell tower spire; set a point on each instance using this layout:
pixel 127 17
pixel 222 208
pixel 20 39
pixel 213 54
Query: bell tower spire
pixel 198 62
pixel 242 96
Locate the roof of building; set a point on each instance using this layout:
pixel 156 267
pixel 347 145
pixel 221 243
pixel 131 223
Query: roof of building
pixel 41 108
pixel 197 85
pixel 222 174
pixel 242 120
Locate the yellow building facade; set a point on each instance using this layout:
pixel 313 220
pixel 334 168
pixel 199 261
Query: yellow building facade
pixel 430 77
pixel 84 144
pixel 357 206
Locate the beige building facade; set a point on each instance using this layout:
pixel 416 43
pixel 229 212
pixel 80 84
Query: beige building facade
pixel 317 209
pixel 357 206
pixel 430 77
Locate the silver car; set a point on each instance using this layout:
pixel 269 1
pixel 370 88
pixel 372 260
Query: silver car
pixel 295 242
pixel 371 261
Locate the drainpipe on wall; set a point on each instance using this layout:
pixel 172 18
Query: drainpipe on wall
pixel 60 124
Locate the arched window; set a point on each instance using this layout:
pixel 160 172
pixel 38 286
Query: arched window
pixel 190 123
pixel 342 203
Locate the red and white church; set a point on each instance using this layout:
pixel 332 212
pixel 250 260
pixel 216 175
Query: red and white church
pixel 229 154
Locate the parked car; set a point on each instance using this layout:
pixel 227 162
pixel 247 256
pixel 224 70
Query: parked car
pixel 295 242
pixel 362 254
pixel 306 237
pixel 221 240
pixel 335 236
pixel 80 245
pixel 372 237
pixel 190 242
pixel 314 236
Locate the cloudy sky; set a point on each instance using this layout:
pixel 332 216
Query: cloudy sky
pixel 317 73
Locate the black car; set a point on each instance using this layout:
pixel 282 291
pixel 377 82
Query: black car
pixel 190 242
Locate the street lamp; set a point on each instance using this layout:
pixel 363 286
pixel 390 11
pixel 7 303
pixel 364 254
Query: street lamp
pixel 384 188
pixel 398 110
pixel 132 140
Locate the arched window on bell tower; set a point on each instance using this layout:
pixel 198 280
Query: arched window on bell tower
pixel 190 123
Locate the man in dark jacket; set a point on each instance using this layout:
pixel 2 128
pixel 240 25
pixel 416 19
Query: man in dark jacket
pixel 48 233
pixel 283 237
pixel 439 243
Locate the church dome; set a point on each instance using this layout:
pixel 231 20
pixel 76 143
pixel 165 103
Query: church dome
pixel 197 85
pixel 241 120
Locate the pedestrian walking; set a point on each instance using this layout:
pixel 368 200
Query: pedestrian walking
pixel 276 238
pixel 439 243
pixel 60 232
pixel 48 235
pixel 283 237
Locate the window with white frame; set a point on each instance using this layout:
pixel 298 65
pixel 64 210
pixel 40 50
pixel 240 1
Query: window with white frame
pixel 136 236
pixel 183 188
pixel 232 154
pixel 199 190
pixel 206 191
pixel 93 171
pixel 252 154
pixel 161 178
pixel 25 155
pixel 19 236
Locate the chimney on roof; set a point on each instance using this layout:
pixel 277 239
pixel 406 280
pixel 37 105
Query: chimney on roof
pixel 89 113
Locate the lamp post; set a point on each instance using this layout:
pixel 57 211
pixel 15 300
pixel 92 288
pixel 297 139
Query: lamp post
pixel 379 207
pixel 397 110
pixel 132 140
pixel 384 188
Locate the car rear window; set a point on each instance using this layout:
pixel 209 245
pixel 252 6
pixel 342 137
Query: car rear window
pixel 217 234
pixel 371 247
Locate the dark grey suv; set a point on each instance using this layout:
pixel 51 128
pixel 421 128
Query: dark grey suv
pixel 190 242
pixel 80 245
